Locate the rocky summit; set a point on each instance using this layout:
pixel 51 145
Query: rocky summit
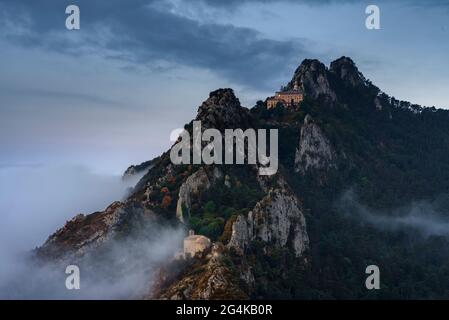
pixel 353 163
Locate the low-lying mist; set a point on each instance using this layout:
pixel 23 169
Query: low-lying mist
pixel 429 218
pixel 36 201
pixel 121 269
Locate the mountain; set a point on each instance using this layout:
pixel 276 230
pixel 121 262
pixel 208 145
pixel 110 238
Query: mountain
pixel 363 179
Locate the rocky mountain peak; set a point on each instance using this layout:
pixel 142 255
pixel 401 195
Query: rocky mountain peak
pixel 310 65
pixel 345 69
pixel 222 97
pixel 312 77
pixel 223 110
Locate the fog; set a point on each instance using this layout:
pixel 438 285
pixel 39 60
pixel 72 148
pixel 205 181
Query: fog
pixel 121 269
pixel 35 201
pixel 429 218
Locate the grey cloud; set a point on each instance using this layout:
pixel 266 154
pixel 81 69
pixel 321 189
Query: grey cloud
pixel 142 33
pixel 119 269
pixel 426 217
pixel 58 95
pixel 49 196
pixel 19 165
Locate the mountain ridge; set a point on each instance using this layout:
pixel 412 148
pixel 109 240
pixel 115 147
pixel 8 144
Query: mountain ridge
pixel 266 230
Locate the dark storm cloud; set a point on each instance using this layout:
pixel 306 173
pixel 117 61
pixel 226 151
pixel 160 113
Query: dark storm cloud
pixel 142 32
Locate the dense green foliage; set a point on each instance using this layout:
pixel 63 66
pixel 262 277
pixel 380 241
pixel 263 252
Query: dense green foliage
pixel 393 155
pixel 240 193
pixel 390 154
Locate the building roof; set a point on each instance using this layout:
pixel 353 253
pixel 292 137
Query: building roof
pixel 289 92
pixel 197 238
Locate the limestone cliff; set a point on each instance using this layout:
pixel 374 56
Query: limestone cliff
pixel 194 185
pixel 222 110
pixel 346 70
pixel 314 79
pixel 315 151
pixel 83 234
pixel 276 219
pixel 207 277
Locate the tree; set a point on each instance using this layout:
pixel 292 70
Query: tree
pixel 166 201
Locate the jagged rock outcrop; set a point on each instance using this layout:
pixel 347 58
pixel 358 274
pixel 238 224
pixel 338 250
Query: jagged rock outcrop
pixel 194 185
pixel 130 172
pixel 208 278
pixel 84 233
pixel 222 110
pixel 276 219
pixel 313 78
pixel 346 70
pixel 315 150
pixel 134 170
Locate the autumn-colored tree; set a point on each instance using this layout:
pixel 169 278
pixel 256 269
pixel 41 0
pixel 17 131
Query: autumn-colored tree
pixel 166 201
pixel 164 190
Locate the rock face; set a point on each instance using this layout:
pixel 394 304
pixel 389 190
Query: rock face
pixel 207 278
pixel 222 110
pixel 346 70
pixel 84 233
pixel 314 151
pixel 194 185
pixel 313 77
pixel 277 219
pixel 194 244
pixel 138 169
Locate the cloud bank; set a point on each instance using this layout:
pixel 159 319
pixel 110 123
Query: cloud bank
pixel 121 269
pixel 149 34
pixel 36 200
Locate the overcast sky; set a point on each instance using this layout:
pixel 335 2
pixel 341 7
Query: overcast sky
pixel 109 95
